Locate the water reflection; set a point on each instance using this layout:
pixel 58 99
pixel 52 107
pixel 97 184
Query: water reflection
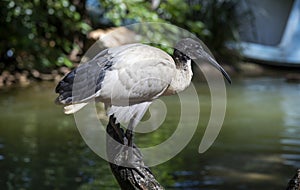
pixel 258 147
pixel 291 135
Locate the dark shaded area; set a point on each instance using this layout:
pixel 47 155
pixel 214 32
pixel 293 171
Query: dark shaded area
pixel 41 34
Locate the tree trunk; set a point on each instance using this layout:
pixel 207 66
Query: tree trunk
pixel 294 183
pixel 137 177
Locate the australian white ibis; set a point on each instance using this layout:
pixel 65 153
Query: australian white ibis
pixel 129 77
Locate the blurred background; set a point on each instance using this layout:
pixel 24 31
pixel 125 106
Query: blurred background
pixel 257 42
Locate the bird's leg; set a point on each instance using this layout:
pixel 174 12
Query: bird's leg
pixel 117 129
pixel 134 156
pixel 129 136
pixel 129 132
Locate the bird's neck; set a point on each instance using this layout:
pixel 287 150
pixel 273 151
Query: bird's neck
pixel 181 79
pixel 180 59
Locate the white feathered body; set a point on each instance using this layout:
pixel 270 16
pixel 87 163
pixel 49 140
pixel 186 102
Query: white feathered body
pixel 130 77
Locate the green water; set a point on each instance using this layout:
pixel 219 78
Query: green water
pixel 257 148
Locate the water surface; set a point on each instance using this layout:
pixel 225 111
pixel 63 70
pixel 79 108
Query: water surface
pixel 257 148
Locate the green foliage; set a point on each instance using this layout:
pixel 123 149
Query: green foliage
pixel 221 24
pixel 215 21
pixel 42 34
pixel 176 12
pixel 39 33
pixel 120 11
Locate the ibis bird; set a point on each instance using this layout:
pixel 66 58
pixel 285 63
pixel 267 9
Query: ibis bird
pixel 129 77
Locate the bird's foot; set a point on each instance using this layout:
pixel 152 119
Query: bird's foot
pixel 125 154
pixel 128 156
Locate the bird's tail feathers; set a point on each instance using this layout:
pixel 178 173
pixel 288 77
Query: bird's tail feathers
pixel 123 114
pixel 70 109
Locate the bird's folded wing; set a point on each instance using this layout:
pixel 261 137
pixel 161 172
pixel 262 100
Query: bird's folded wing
pixel 136 83
pixel 81 83
pixel 123 114
pixel 123 75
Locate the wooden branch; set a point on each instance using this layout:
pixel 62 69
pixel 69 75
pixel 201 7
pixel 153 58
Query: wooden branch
pixel 138 176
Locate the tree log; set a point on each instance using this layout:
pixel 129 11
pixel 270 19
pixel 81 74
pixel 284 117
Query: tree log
pixel 294 183
pixel 129 178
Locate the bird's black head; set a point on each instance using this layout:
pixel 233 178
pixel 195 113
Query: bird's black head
pixel 181 59
pixel 195 50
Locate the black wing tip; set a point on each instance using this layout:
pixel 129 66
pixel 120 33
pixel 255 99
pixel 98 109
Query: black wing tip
pixel 56 101
pixel 57 88
pixel 63 92
pixel 61 100
pixel 66 81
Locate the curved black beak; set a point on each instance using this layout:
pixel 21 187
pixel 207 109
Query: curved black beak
pixel 217 66
pixel 197 50
pixel 201 54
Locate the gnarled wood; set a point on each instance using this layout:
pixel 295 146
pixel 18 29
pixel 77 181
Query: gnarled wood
pixel 294 183
pixel 137 177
